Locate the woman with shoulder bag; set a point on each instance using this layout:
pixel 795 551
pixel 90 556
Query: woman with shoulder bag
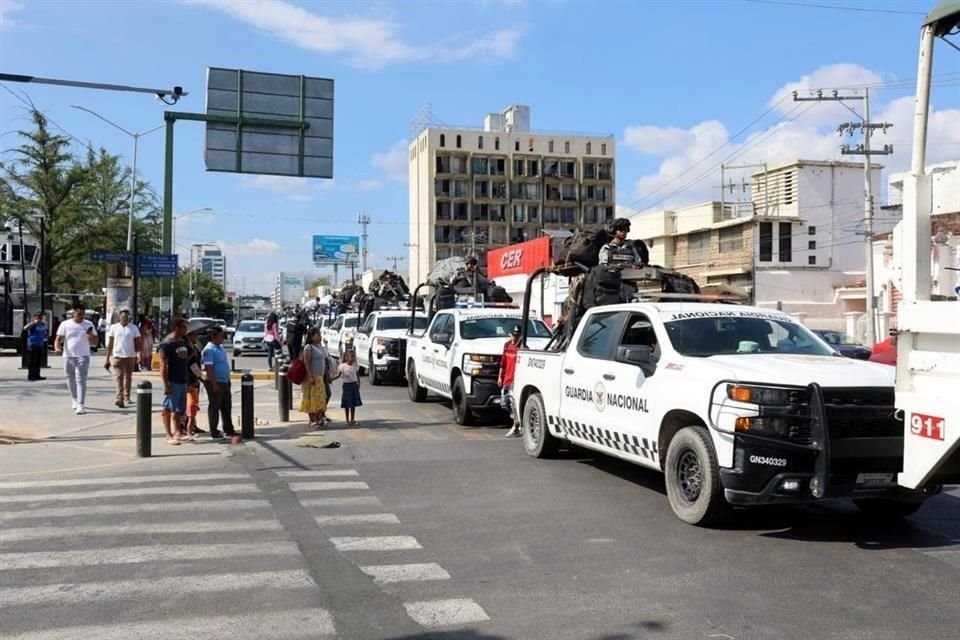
pixel 313 398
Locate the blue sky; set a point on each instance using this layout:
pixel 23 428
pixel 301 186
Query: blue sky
pixel 673 81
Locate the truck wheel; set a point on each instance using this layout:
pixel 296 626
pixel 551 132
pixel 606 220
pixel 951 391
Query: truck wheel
pixel 416 392
pixel 461 411
pixel 537 439
pixel 372 372
pixel 693 478
pixel 887 509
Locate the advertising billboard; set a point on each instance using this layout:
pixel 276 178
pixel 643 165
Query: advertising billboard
pixel 335 249
pixel 522 258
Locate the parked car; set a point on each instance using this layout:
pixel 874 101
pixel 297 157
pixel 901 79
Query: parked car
pixel 249 338
pixel 885 352
pixel 846 345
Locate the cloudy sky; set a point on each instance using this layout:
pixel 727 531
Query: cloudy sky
pixel 683 85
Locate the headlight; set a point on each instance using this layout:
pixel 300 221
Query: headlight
pixel 776 427
pixel 758 395
pixel 384 342
pixel 479 358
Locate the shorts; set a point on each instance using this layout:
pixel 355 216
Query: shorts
pixel 193 401
pixel 176 401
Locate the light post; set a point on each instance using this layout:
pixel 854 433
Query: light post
pixel 133 173
pixel 173 246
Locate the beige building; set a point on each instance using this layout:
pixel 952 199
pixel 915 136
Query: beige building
pixel 473 189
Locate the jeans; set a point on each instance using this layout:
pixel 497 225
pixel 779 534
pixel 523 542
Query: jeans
pixel 123 376
pixel 34 358
pixel 219 405
pixel 506 401
pixel 271 350
pixel 76 368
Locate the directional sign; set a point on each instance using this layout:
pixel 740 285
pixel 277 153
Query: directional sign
pixel 110 256
pixel 157 265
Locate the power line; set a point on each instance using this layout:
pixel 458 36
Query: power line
pixel 811 5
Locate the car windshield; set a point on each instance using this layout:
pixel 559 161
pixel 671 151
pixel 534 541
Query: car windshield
pixel 350 322
pixel 703 337
pixel 835 337
pixel 474 328
pixel 250 327
pixel 392 323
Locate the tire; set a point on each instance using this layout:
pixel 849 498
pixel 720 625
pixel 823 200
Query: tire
pixel 461 411
pixel 887 509
pixel 414 390
pixel 693 478
pixel 372 372
pixel 537 439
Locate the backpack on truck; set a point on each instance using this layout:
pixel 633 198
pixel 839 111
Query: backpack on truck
pixel 603 286
pixel 583 247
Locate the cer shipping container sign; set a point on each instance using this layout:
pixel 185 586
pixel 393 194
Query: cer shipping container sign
pixel 519 259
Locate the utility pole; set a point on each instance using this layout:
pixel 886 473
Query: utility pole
pixel 863 149
pixel 363 220
pixel 743 186
pixel 395 260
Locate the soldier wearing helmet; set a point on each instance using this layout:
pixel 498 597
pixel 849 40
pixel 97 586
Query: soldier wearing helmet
pixel 618 251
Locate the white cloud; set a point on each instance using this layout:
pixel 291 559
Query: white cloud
pixel 394 162
pixel 290 187
pixel 369 185
pixel 255 248
pixel 690 158
pixel 364 42
pixel 7 9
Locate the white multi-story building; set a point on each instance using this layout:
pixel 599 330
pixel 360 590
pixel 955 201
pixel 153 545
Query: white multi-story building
pixel 289 289
pixel 209 259
pixel 475 188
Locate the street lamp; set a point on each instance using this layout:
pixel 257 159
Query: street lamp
pixel 174 245
pixel 133 173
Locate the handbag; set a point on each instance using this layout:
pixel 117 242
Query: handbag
pixel 297 371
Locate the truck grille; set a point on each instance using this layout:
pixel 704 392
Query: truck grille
pixel 861 412
pixel 393 348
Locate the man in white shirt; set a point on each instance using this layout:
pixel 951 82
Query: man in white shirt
pixel 74 338
pixel 123 346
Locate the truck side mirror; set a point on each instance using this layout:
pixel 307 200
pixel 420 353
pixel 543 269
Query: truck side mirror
pixel 639 355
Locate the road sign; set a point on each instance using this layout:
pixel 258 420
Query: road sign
pixel 110 256
pixel 335 249
pixel 157 265
pixel 305 149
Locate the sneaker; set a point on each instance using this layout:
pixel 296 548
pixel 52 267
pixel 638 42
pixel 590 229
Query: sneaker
pixel 513 433
pixel 119 403
pixel 80 410
pixel 216 435
pixel 74 405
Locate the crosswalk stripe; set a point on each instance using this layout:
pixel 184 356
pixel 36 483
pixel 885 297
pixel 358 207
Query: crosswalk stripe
pixel 317 472
pixel 148 507
pixel 142 491
pixel 388 573
pixel 139 554
pixel 299 624
pixel 466 434
pixel 443 613
pixel 376 543
pixel 79 593
pixel 41 533
pixel 327 486
pixel 358 518
pixel 340 502
pixel 180 478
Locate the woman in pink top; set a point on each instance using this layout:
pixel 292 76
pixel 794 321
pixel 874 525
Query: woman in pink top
pixel 271 337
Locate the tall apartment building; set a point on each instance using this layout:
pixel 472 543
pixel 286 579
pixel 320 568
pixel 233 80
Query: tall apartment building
pixel 473 189
pixel 289 289
pixel 208 259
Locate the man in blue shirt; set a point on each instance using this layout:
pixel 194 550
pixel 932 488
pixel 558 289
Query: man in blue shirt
pixel 36 344
pixel 217 383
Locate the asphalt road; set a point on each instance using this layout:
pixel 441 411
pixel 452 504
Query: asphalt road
pixel 417 528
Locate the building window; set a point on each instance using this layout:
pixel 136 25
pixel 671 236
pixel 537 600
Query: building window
pixel 516 146
pixel 496 143
pixel 589 148
pixel 459 141
pixel 443 140
pixel 518 168
pixel 786 242
pixel 812 244
pixel 811 260
pixel 603 148
pixel 698 247
pixel 731 239
pixel 566 147
pixel 479 142
pixel 481 166
pixel 811 231
pixel 460 211
pixel 533 212
pixel 550 147
pixel 589 168
pixel 534 167
pixel 766 242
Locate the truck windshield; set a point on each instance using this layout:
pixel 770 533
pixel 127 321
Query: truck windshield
pixel 392 323
pixel 703 337
pixel 499 328
pixel 350 322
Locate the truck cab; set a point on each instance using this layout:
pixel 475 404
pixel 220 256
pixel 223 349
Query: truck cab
pixel 381 343
pixel 458 357
pixel 339 336
pixel 735 405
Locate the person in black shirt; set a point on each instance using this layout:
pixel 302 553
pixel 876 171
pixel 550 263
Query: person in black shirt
pixel 175 371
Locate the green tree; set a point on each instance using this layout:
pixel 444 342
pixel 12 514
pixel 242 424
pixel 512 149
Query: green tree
pixel 322 281
pixel 210 296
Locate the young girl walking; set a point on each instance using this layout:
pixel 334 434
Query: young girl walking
pixel 349 370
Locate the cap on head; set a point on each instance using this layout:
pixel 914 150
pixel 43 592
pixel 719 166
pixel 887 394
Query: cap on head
pixel 472 260
pixel 515 331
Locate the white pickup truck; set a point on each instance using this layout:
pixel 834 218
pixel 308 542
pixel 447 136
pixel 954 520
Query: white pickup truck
pixel 458 357
pixel 736 405
pixel 339 336
pixel 380 343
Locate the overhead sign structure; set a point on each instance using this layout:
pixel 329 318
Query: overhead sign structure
pixel 305 149
pixel 328 250
pixel 157 265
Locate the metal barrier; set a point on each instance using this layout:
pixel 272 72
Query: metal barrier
pixel 284 395
pixel 246 406
pixel 144 418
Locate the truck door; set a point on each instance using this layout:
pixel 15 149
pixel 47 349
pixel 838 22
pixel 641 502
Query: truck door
pixel 361 341
pixel 583 399
pixel 435 353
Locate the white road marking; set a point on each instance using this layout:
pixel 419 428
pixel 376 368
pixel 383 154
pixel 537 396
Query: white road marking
pixel 376 543
pixel 41 533
pixel 173 492
pixel 140 554
pixel 79 593
pixel 948 556
pixel 444 613
pixel 147 507
pixel 327 486
pixel 339 502
pixel 358 518
pixel 299 624
pixel 174 480
pixel 387 573
pixel 318 472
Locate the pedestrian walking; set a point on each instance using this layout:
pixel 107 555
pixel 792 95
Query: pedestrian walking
pixel 508 367
pixel 36 344
pixel 74 339
pixel 217 383
pixel 174 368
pixel 102 327
pixel 271 337
pixel 349 370
pixel 123 349
pixel 147 338
pixel 313 399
